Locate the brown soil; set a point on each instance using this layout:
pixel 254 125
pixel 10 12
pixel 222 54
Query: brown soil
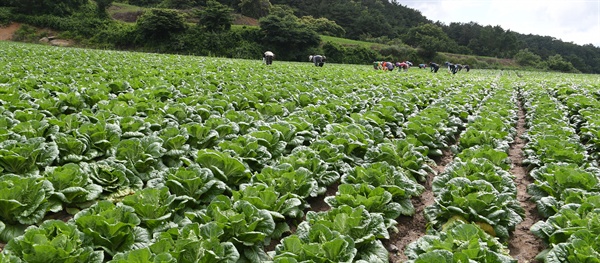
pixel 411 228
pixel 244 20
pixel 523 245
pixel 6 33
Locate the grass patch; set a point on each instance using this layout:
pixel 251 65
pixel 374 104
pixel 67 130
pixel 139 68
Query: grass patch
pixel 350 42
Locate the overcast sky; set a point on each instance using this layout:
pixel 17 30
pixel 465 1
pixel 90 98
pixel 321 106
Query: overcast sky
pixel 576 21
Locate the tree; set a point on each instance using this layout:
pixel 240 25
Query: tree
pixel 215 17
pixel 160 23
pixel 255 8
pixel 102 5
pixel 334 52
pixel 429 39
pixel 53 7
pixel 527 58
pixel 323 26
pixel 558 63
pixel 179 4
pixel 285 34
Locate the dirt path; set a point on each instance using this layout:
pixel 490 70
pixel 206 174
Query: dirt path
pixel 6 33
pixel 411 228
pixel 523 245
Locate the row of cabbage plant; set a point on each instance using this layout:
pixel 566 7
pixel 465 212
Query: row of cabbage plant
pixel 475 205
pixel 566 183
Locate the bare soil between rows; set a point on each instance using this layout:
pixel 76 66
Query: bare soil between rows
pixel 411 228
pixel 523 244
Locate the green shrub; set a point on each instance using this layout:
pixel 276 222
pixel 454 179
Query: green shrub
pixel 5 16
pixel 26 33
pixel 159 24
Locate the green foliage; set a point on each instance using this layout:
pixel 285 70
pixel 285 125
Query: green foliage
pixel 54 7
pixel 359 55
pixel 159 24
pixel 5 16
pixel 255 8
pixel 71 185
pixel 316 243
pixel 399 53
pixel 147 3
pixel 54 241
pixel 215 16
pixel 191 243
pixel 335 52
pixel 102 6
pixel 459 243
pixel 287 35
pixel 527 58
pixel 113 228
pixel 179 4
pixel 428 39
pixel 244 225
pixel 23 201
pixel 323 26
pixel 558 63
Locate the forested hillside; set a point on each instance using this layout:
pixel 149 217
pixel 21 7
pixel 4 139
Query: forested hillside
pixel 292 28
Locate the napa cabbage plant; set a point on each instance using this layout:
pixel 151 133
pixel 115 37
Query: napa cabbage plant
pixel 224 167
pixel 23 201
pixel 404 154
pixel 244 225
pixel 72 187
pixel 365 228
pixel 460 242
pixel 376 200
pixel 141 155
pixel 495 156
pixel 281 206
pixel 111 175
pixel 476 169
pixel 308 158
pixel 570 219
pixel 53 241
pixel 195 243
pixel 249 150
pixel 112 228
pixel 155 207
pixel 142 255
pixel 394 180
pixel 177 152
pixel 316 243
pixel 476 201
pixel 26 157
pixel 192 186
pixel 287 179
pixel 201 136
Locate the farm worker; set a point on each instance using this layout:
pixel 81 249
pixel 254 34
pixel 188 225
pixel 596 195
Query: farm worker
pixel 451 67
pixel 268 57
pixel 377 65
pixel 467 67
pixel 387 66
pixel 434 67
pixel 422 65
pixel 402 65
pixel 459 67
pixel 410 64
pixel 317 59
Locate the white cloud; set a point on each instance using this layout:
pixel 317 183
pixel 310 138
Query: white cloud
pixel 576 21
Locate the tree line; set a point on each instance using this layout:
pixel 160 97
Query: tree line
pixel 291 28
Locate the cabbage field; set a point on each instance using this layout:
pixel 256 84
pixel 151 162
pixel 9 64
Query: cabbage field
pixel 110 156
